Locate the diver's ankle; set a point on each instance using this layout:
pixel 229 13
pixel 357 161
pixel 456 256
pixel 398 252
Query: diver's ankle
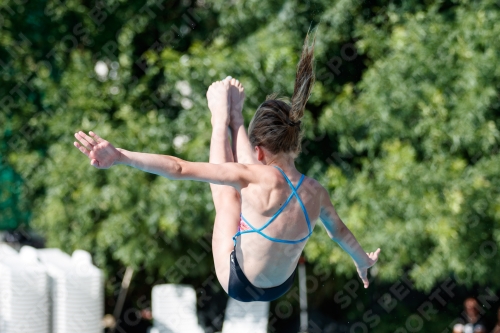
pixel 236 122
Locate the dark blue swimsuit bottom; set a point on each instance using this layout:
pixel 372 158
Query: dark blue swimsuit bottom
pixel 242 290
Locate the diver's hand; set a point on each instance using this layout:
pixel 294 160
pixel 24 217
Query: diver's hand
pixel 363 268
pixel 101 153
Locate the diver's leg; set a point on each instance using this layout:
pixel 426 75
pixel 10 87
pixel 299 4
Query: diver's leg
pixel 242 149
pixel 226 198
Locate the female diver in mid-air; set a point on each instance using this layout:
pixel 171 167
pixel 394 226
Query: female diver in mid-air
pixel 265 209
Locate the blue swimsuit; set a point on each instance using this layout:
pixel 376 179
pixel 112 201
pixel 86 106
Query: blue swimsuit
pixel 239 287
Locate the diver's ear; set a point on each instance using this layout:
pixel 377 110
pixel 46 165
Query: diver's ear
pixel 260 153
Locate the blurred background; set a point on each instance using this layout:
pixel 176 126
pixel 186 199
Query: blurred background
pixel 402 127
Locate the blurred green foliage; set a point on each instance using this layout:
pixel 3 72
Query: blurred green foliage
pixel 402 126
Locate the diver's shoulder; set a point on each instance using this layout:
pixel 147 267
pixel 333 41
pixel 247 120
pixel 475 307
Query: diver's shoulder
pixel 312 186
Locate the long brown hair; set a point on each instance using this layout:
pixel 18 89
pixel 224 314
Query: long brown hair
pixel 276 124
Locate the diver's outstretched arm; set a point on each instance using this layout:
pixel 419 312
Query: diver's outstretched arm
pixel 103 155
pixel 339 232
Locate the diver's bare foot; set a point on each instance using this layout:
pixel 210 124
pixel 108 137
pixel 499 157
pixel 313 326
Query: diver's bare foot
pixel 219 102
pixel 237 96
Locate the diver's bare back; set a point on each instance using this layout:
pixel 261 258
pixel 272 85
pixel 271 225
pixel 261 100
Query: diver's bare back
pixel 266 263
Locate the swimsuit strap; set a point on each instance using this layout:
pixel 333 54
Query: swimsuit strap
pixel 294 192
pixel 259 230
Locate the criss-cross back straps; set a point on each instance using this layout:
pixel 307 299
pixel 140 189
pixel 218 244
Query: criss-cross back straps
pixel 259 230
pixel 294 192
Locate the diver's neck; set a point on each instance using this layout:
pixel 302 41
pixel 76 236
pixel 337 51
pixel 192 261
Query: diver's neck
pixel 286 162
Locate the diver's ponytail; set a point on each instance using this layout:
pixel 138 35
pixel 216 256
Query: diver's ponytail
pixel 276 124
pixel 304 81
